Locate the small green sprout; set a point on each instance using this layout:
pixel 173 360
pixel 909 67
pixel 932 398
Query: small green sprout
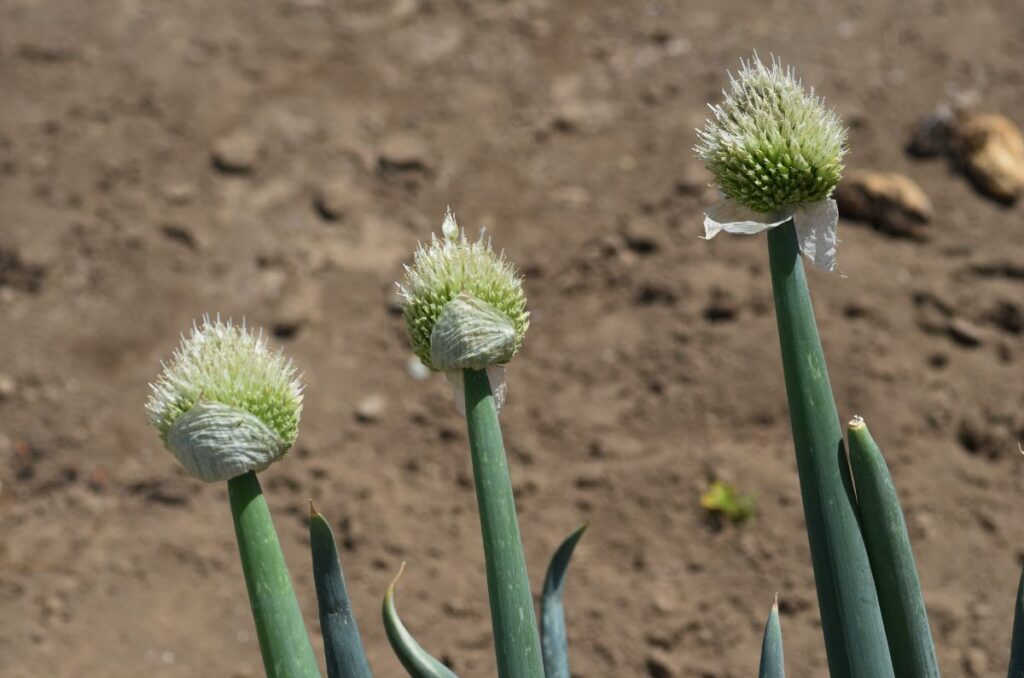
pixel 725 500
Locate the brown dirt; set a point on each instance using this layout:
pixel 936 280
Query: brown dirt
pixel 162 160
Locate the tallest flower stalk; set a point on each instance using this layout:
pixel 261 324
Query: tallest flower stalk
pixel 776 155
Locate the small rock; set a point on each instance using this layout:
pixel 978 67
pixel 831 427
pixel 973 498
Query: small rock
pixel 574 197
pixel 1006 315
pixel 180 234
pixel 659 665
pixel 334 196
pixel 665 600
pixel 178 193
pixel 934 134
pixel 582 115
pixel 298 306
pixel 236 152
pixel 52 604
pixel 8 387
pixel 425 47
pixel 642 237
pixel 270 194
pixel 966 333
pixel 416 369
pixel 892 203
pixel 404 152
pixel 370 408
pixel 983 437
pixel 722 307
pixel 976 662
pixel 990 148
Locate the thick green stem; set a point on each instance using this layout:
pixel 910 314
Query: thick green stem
pixel 892 560
pixel 285 646
pixel 850 618
pixel 513 620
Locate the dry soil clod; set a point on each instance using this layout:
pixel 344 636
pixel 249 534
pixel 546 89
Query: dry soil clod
pixel 891 202
pixel 990 149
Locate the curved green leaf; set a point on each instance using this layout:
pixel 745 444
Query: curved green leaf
pixel 342 645
pixel 773 664
pixel 414 658
pixel 553 645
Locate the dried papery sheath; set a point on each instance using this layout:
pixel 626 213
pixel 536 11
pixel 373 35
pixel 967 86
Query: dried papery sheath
pixel 217 442
pixel 496 378
pixel 471 334
pixel 464 305
pixel 776 153
pixel 226 403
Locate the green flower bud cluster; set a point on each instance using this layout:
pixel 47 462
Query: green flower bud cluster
pixel 453 268
pixel 228 365
pixel 771 143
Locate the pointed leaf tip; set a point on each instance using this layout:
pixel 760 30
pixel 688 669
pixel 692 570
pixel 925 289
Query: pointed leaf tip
pixel 411 654
pixel 772 660
pixel 554 645
pixel 343 646
pixel 394 582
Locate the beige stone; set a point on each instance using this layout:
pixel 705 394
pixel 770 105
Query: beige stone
pixel 891 202
pixel 990 148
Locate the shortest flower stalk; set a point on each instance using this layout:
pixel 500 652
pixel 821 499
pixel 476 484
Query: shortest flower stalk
pixel 226 403
pixel 464 308
pixel 227 406
pixel 776 154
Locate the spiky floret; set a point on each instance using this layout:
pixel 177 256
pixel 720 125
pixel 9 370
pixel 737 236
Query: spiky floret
pixel 224 363
pixel 446 266
pixel 771 143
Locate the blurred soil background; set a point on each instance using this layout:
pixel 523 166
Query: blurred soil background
pixel 278 161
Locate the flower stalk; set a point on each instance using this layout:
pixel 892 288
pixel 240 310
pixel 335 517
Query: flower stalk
pixel 227 406
pixel 284 643
pixel 514 623
pixel 850 618
pixel 465 314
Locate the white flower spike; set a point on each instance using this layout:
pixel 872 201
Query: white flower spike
pixel 464 308
pixel 776 154
pixel 226 403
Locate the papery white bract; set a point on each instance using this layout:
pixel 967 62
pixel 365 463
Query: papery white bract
pixel 815 224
